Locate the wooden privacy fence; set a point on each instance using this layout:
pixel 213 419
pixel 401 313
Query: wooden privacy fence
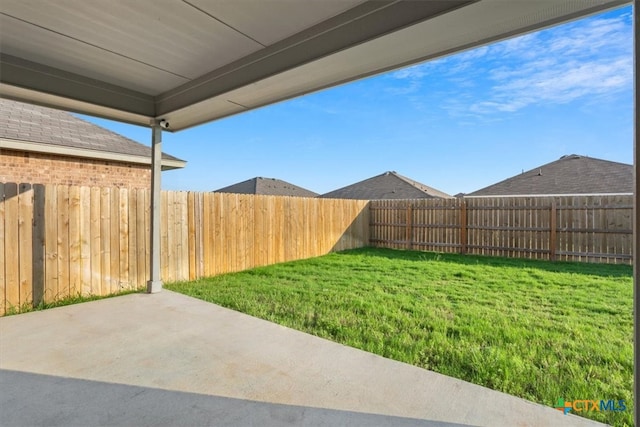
pixel 57 241
pixel 567 228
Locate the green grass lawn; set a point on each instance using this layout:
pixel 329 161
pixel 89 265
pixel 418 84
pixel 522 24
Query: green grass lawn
pixel 68 300
pixel 534 329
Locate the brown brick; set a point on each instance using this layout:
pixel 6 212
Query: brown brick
pixel 44 168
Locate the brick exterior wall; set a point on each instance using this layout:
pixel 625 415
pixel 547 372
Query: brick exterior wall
pixel 42 168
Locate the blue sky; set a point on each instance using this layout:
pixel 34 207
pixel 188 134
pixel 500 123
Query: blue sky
pixel 458 124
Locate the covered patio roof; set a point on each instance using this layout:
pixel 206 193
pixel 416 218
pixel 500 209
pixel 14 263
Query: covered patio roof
pixel 193 61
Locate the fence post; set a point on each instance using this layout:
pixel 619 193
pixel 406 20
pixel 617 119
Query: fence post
pixel 463 227
pixel 37 244
pixel 552 231
pixel 409 226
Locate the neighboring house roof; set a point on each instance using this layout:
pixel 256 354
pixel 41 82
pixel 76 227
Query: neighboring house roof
pixel 267 187
pixel 28 127
pixel 571 174
pixel 389 185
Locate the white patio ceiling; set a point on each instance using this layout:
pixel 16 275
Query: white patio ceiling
pixel 193 61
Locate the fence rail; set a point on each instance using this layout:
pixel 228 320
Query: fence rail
pixel 567 228
pixel 58 240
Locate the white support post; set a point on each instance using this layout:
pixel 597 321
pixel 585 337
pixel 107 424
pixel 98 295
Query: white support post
pixel 636 213
pixel 155 283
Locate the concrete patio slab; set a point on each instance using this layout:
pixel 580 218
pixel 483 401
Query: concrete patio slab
pixel 168 359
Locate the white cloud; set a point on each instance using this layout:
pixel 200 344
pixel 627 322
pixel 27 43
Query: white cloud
pixel 587 58
pixel 414 72
pixel 593 36
pixel 412 87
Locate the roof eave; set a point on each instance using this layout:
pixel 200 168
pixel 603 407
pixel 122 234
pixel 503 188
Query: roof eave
pixel 91 107
pixel 337 50
pixel 34 147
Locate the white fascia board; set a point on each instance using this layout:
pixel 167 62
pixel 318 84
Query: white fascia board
pixel 34 147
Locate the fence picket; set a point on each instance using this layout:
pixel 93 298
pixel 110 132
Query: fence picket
pixel 63 250
pixel 95 242
pixel 12 257
pixel 3 285
pixel 74 241
pixel 85 240
pixel 132 243
pixel 25 242
pixel 105 241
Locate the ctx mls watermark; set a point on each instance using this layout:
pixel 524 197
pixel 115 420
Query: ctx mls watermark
pixel 586 405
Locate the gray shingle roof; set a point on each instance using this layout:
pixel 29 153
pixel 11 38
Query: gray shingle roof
pixel 389 185
pixel 571 174
pixel 267 187
pixel 35 124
